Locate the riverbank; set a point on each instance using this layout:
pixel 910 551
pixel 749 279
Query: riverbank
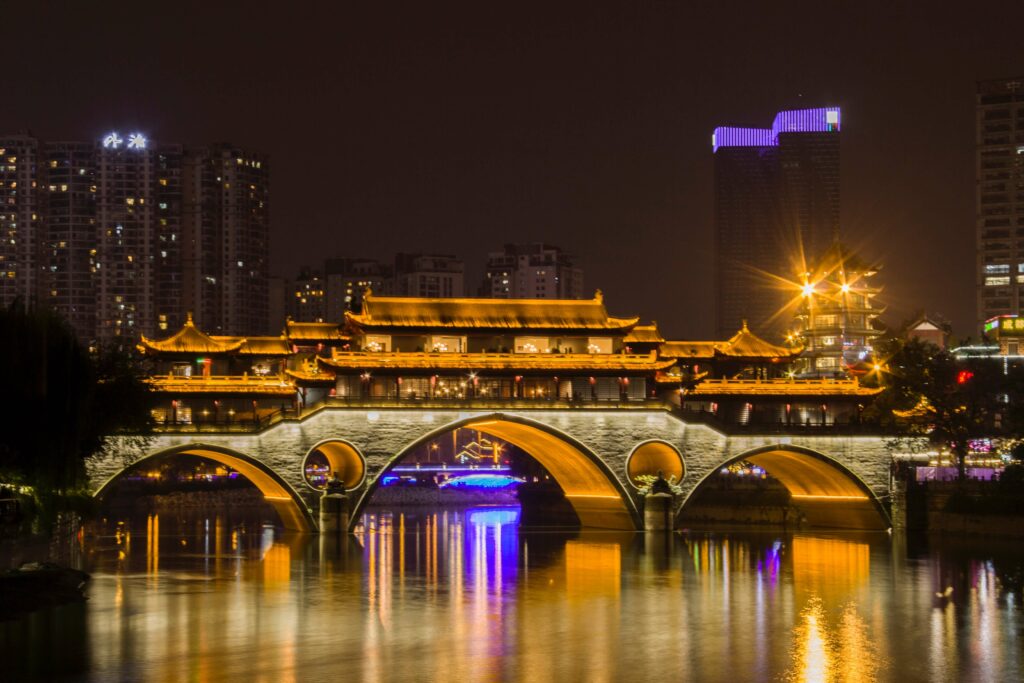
pixel 969 508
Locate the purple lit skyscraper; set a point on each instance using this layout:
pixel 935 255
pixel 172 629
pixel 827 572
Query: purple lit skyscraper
pixel 776 197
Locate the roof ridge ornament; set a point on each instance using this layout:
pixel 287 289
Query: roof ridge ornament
pixel 599 296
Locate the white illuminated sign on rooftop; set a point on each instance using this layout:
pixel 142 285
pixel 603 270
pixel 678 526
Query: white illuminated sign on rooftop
pixel 135 141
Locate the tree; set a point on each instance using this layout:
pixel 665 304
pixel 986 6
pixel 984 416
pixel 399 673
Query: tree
pixel 951 403
pixel 61 403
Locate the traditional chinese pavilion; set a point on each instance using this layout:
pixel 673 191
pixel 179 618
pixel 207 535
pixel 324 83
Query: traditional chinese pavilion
pixel 416 350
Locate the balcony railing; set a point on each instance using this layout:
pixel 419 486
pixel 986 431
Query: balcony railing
pixel 262 384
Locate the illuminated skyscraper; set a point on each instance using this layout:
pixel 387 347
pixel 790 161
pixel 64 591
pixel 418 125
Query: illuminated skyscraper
pixel 776 203
pixel 999 220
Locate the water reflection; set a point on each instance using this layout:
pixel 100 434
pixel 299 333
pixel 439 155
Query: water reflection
pixel 464 594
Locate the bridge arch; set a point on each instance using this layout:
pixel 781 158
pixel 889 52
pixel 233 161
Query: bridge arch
pixel 285 500
pixel 825 490
pixel 595 493
pixel 652 456
pixel 343 458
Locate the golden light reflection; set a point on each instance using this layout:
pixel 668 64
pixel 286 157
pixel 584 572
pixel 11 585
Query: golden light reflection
pixel 823 653
pixel 277 566
pixel 831 568
pixel 592 569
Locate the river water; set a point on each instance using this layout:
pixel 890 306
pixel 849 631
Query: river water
pixel 464 595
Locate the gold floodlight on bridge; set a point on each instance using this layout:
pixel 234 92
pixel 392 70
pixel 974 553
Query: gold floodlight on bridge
pixel 294 514
pixel 596 495
pixel 826 492
pixel 597 501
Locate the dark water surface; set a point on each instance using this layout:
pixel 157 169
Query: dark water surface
pixel 464 595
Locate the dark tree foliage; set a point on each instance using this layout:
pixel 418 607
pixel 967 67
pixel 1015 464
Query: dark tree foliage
pixel 60 402
pixel 930 394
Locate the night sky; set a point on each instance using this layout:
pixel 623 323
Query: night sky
pixel 457 128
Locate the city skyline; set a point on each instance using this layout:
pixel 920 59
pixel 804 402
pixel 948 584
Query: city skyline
pixel 594 134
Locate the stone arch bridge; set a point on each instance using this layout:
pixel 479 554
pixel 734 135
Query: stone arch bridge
pixel 840 480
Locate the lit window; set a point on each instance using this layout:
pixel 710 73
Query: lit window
pixel 999 269
pixel 996 281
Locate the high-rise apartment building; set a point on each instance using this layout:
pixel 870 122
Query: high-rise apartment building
pixel 999 220
pixel 226 201
pixel 115 234
pixel 66 236
pixel 436 276
pixel 531 271
pixel 19 219
pixel 776 207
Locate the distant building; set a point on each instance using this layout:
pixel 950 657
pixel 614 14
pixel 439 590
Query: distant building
pixel 308 300
pixel 227 239
pixel 776 198
pixel 124 235
pixel 532 271
pixel 19 218
pixel 348 278
pixel 433 276
pixel 929 331
pixel 1006 331
pixel 999 220
pixel 835 322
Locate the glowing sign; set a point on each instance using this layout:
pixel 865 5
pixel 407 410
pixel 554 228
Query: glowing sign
pixel 113 140
pixel 1011 326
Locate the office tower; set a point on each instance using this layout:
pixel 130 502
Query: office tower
pixel 999 220
pixel 532 271
pixel 19 218
pixel 776 208
pixel 429 275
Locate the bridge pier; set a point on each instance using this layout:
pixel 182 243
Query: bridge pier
pixel 334 513
pixel 658 512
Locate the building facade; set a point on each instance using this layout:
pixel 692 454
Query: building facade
pixel 776 200
pixel 999 220
pixel 19 218
pixel 348 278
pixel 123 235
pixel 308 300
pixel 492 352
pixel 531 271
pixel 835 321
pixel 434 276
pixel 227 239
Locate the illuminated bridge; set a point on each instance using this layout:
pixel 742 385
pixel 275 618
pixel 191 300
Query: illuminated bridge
pixel 594 454
pixel 598 401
